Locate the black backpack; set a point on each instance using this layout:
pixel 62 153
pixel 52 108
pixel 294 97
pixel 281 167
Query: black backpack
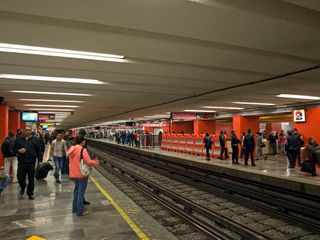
pixel 7 147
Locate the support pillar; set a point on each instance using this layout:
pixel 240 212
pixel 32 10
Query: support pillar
pixel 204 126
pixel 242 124
pixel 14 121
pixel 4 126
pixel 23 125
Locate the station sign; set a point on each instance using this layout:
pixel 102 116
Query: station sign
pixel 45 117
pixel 183 116
pixel 163 124
pixel 205 116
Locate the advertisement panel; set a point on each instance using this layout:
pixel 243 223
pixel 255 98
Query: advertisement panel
pixel 299 115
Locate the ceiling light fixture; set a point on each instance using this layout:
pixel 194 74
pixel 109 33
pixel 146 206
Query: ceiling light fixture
pixel 56 52
pixel 51 109
pixel 53 93
pixel 305 97
pixel 45 105
pixel 255 103
pixel 228 108
pixel 60 113
pixel 51 100
pixel 50 79
pixel 203 111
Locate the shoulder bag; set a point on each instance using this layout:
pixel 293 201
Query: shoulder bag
pixel 84 168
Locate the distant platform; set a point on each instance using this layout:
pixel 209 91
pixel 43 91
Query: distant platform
pixel 273 171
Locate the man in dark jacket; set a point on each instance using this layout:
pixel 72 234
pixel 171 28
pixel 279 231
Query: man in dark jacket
pixel 235 148
pixel 249 145
pixel 208 145
pixel 222 140
pixel 273 143
pixel 292 148
pixel 28 149
pixel 300 145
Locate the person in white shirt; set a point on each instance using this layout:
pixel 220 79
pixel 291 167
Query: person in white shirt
pixel 59 154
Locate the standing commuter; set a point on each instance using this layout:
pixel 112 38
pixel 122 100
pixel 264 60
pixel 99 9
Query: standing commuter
pixel 311 156
pixel 222 140
pixel 282 143
pixel 292 148
pixel 28 149
pixel 59 153
pixel 249 145
pixel 75 153
pixel 243 135
pixel 235 147
pixel 208 145
pixel 160 138
pixel 273 143
pixel 10 157
pixel 300 145
pixel 259 146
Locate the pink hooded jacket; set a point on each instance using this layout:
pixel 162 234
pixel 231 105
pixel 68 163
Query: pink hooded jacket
pixel 74 161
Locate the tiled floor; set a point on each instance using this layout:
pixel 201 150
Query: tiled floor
pixel 50 215
pixel 273 166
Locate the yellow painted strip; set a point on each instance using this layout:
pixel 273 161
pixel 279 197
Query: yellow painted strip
pixel 35 238
pixel 133 226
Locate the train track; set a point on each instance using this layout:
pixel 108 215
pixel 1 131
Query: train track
pixel 206 210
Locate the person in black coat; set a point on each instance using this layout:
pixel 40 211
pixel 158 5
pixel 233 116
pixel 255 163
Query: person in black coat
pixel 235 147
pixel 249 145
pixel 208 145
pixel 292 148
pixel 28 150
pixel 222 140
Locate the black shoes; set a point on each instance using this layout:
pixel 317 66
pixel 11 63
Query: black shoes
pixel 31 197
pixel 21 192
pixel 86 202
pixel 58 181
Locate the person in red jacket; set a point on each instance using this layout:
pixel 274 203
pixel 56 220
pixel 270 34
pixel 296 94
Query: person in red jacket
pixel 80 181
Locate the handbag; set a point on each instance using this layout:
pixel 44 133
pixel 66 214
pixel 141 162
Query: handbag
pixel 306 167
pixel 84 168
pixel 262 145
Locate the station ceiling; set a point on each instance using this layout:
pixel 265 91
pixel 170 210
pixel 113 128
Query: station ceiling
pixel 179 54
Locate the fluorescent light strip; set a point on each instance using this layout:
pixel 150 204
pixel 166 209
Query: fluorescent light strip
pixel 50 79
pixel 228 108
pixel 53 93
pixel 51 100
pixel 255 103
pixel 46 112
pixel 45 105
pixel 51 109
pixel 56 52
pixel 305 97
pixel 204 111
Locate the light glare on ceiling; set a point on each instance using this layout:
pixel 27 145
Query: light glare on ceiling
pixel 51 79
pixel 305 97
pixel 228 108
pixel 51 109
pixel 204 111
pixel 45 105
pixel 56 52
pixel 51 100
pixel 255 103
pixel 53 93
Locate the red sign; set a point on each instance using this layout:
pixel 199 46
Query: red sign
pixel 165 124
pixel 44 117
pixel 184 116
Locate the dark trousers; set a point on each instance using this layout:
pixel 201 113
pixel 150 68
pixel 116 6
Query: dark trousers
pixel 242 152
pixel 246 158
pixel 235 154
pixel 299 156
pixel 274 148
pixel 80 186
pixel 313 166
pixel 208 153
pixel 292 156
pixel 223 150
pixel 25 169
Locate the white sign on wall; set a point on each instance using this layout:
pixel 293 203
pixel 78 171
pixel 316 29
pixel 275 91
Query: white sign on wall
pixel 299 115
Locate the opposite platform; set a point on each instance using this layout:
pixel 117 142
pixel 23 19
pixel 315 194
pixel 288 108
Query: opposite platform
pixel 50 215
pixel 274 172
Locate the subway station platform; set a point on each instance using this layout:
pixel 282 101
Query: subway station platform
pixel 273 171
pixel 112 214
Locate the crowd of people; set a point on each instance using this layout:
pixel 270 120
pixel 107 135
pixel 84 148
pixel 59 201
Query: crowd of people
pixel 24 155
pixel 290 144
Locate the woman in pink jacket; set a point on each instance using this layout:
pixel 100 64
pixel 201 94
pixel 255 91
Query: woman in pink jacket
pixel 80 181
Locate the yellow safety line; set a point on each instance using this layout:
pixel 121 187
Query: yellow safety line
pixel 123 214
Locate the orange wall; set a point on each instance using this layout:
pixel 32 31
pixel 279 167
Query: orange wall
pixel 227 127
pixel 4 126
pixel 311 128
pixel 242 124
pixel 204 126
pixel 178 127
pixel 14 121
pixel 149 129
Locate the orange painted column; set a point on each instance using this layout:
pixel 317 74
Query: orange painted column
pixel 23 125
pixel 309 128
pixel 204 126
pixel 4 126
pixel 14 121
pixel 242 124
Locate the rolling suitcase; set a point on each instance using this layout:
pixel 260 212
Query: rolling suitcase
pixel 42 172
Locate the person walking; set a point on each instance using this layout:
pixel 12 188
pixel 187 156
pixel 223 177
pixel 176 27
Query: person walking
pixel 59 154
pixel 10 158
pixel 208 145
pixel 249 145
pixel 222 141
pixel 76 153
pixel 28 150
pixel 235 147
pixel 292 148
pixel 311 156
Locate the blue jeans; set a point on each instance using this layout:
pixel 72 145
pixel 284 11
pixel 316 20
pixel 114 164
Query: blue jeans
pixel 80 185
pixel 4 182
pixel 58 161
